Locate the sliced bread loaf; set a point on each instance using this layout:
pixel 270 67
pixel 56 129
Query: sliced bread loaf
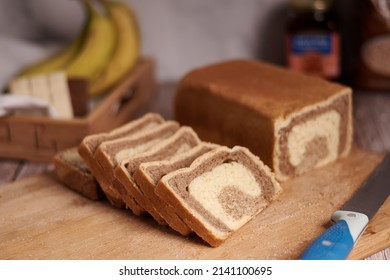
pixel 91 143
pixel 183 140
pixel 111 153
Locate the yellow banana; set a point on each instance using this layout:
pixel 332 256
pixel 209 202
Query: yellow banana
pixel 127 48
pixel 98 46
pixel 59 59
pixel 53 62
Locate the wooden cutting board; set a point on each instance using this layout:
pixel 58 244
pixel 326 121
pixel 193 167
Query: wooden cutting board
pixel 42 219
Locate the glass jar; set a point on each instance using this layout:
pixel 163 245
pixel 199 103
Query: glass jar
pixel 313 38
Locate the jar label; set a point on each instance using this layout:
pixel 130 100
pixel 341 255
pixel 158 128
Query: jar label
pixel 317 54
pixel 321 43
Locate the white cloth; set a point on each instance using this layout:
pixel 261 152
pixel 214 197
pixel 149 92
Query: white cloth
pixel 25 105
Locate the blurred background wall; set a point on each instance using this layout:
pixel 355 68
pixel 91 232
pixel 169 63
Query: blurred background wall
pixel 179 34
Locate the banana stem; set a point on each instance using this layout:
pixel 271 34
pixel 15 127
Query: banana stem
pixel 93 9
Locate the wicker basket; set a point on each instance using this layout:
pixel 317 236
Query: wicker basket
pixel 39 138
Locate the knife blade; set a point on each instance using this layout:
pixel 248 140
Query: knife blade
pixel 351 220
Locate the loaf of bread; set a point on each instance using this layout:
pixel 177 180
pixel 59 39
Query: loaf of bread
pixel 149 174
pixel 111 153
pixel 292 121
pixel 183 140
pixel 75 174
pixel 221 191
pixel 91 143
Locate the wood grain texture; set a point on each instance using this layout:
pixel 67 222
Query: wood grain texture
pixel 372 120
pixel 8 170
pixel 45 220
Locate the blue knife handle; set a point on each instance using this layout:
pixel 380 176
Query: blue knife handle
pixel 337 242
pixel 334 244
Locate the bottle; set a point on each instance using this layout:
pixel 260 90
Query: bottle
pixel 313 38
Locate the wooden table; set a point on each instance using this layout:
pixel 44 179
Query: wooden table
pixel 371 123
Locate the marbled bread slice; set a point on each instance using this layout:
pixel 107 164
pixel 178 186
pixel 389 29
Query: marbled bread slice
pixel 220 192
pixel 183 140
pixel 75 174
pixel 90 144
pixel 148 174
pixel 111 153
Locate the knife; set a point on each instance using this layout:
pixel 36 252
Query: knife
pixel 351 220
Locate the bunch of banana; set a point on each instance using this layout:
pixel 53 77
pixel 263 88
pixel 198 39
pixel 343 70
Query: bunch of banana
pixel 105 51
pixel 127 48
pixel 97 48
pixel 53 63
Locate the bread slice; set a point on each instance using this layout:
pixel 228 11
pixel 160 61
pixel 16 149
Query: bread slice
pixel 220 192
pixel 113 152
pixel 183 140
pixel 75 174
pixel 91 143
pixel 148 174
